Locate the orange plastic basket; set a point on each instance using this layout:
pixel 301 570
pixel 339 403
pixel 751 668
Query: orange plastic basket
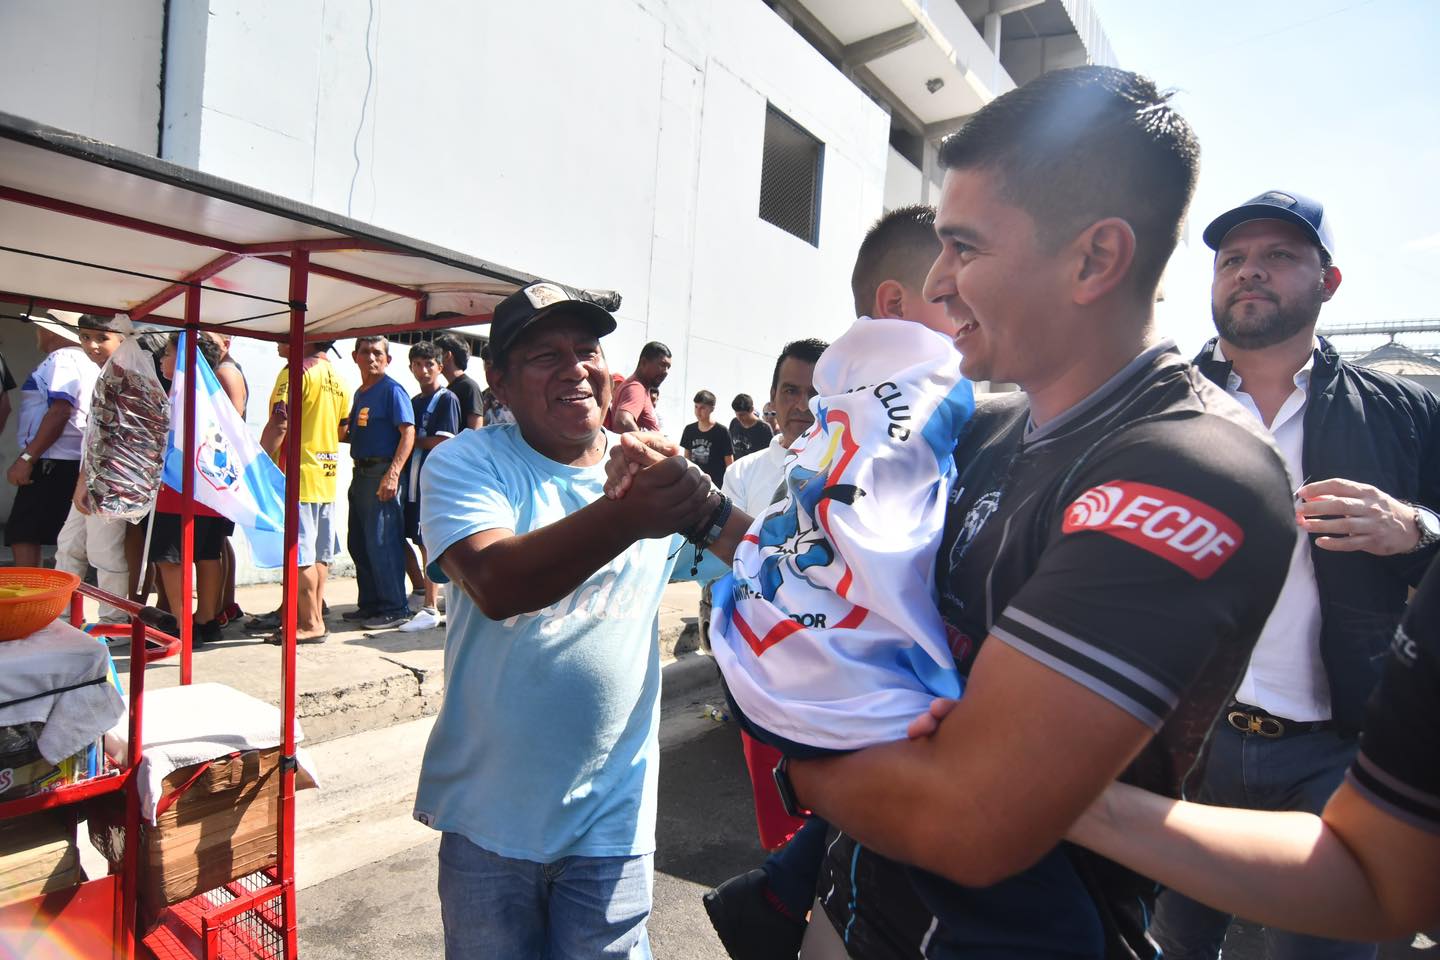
pixel 22 616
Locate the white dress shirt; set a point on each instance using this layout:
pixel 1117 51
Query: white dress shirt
pixel 753 481
pixel 1286 676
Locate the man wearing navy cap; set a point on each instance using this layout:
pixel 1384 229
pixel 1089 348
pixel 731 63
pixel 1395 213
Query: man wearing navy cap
pixel 541 769
pixel 1363 452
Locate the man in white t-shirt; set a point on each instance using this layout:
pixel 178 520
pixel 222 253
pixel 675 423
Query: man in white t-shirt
pixel 54 406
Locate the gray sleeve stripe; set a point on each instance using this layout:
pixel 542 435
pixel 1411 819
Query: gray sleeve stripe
pixel 1127 670
pixel 1088 681
pixel 1390 808
pixel 1393 783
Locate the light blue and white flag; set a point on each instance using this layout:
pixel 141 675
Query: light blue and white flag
pixel 233 476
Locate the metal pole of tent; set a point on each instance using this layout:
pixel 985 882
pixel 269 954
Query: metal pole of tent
pixel 180 606
pixel 285 856
pixel 128 896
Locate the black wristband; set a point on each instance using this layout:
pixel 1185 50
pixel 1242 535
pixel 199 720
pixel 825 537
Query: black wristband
pixel 715 526
pixel 786 789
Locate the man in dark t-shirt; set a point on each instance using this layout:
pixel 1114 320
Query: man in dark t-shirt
pixel 455 358
pixel 748 433
pixel 1115 540
pixel 1114 543
pixel 705 442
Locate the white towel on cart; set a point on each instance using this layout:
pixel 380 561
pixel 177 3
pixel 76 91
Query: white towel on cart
pixel 183 726
pixel 55 658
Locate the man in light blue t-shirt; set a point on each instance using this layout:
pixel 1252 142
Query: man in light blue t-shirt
pixel 541 769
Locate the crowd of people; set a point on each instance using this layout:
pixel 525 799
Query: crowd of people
pixel 389 434
pixel 1145 603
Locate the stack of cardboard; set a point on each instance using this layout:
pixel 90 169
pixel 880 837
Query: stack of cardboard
pixel 38 855
pixel 219 828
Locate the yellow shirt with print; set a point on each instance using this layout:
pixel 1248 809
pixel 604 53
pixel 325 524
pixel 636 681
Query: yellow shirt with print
pixel 325 400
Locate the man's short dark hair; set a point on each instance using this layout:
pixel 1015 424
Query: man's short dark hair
pixel 743 403
pixel 807 350
pixel 426 350
pixel 456 346
pixel 376 338
pixel 705 397
pixel 1075 146
pixel 654 350
pixel 901 246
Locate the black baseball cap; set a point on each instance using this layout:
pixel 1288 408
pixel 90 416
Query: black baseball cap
pixel 517 312
pixel 1303 212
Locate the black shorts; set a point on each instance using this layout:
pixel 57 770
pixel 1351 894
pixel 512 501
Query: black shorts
pixel 41 506
pixel 210 534
pixel 412 521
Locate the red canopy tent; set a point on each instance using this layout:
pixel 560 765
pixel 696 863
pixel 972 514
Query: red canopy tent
pixel 92 227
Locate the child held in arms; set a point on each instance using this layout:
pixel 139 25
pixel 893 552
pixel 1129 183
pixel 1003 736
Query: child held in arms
pixel 826 629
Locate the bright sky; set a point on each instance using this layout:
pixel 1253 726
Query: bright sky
pixel 1335 99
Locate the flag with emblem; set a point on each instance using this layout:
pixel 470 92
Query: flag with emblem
pixel 233 476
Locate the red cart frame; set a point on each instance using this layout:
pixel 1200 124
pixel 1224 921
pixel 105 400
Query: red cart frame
pixel 91 227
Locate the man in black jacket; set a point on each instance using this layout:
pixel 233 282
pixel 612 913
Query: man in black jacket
pixel 1363 451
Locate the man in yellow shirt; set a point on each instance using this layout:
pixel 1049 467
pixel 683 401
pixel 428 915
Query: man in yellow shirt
pixel 325 401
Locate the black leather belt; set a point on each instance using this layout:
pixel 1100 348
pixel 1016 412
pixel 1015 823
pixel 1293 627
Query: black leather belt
pixel 1253 720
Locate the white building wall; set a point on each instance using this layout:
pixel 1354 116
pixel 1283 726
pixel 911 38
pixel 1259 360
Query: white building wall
pixel 904 183
pixel 87 66
pixel 605 143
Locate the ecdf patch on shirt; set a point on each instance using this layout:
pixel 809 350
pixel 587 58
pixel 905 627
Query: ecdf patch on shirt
pixel 1194 536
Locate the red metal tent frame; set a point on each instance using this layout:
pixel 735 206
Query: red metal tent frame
pixel 90 227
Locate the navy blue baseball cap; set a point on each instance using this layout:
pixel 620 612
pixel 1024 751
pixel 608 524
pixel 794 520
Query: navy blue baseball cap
pixel 529 304
pixel 1307 214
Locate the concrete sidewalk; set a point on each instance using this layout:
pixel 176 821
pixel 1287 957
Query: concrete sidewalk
pixel 366 680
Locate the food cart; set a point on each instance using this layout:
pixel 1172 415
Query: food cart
pixel 86 226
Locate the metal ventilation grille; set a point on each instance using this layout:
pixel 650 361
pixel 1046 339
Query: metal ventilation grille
pixel 790 177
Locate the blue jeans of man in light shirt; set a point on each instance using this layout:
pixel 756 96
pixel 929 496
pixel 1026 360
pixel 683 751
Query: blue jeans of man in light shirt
pixel 577 908
pixel 1295 772
pixel 376 541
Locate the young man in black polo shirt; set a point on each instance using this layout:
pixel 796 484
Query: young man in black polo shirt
pixel 1116 538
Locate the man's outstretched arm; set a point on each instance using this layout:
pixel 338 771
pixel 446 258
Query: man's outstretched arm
pixel 508 574
pixel 994 789
pixel 643 449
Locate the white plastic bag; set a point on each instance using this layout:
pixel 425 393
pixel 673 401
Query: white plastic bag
pixel 127 434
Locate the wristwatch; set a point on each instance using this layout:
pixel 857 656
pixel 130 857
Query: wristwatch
pixel 25 456
pixel 787 790
pixel 1428 524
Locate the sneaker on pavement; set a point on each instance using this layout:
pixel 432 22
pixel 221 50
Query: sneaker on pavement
pixel 387 621
pixel 357 616
pixel 748 921
pixel 202 633
pixel 427 619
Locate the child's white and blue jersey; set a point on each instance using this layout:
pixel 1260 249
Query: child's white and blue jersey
pixel 545 745
pixel 827 629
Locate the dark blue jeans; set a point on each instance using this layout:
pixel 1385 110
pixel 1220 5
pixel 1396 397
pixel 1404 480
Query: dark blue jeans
pixel 577 908
pixel 376 541
pixel 1297 772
